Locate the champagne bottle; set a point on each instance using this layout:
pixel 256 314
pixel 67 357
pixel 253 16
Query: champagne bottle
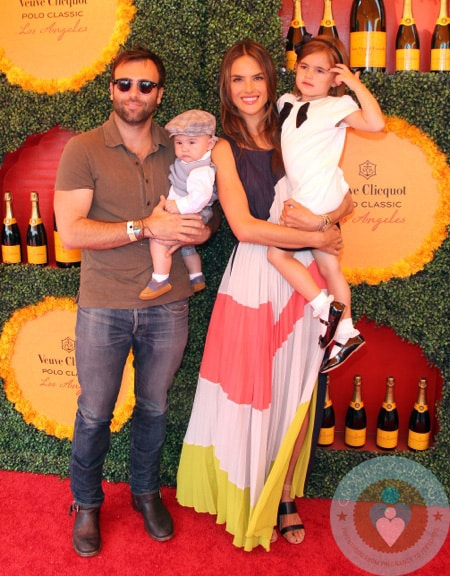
pixel 64 258
pixel 327 24
pixel 295 34
pixel 407 43
pixel 368 36
pixel 11 250
pixel 326 434
pixel 36 235
pixel 387 425
pixel 419 421
pixel 356 420
pixel 440 41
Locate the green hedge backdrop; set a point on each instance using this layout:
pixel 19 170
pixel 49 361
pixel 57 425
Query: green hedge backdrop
pixel 191 36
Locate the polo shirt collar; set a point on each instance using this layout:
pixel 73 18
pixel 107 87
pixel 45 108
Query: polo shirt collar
pixel 113 137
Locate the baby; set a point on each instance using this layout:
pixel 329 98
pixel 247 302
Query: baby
pixel 192 177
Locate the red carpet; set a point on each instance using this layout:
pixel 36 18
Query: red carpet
pixel 35 539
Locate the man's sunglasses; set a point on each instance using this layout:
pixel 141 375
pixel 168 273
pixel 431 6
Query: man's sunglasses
pixel 144 86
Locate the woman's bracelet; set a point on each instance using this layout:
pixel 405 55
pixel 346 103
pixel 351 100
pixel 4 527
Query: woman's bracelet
pixel 325 223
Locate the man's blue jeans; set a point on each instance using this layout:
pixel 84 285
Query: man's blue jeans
pixel 157 336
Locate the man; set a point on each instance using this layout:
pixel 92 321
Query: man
pixel 109 198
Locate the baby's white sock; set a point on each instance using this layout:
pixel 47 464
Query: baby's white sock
pixel 160 277
pixel 194 275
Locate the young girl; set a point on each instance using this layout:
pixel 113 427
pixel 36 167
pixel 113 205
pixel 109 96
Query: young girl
pixel 314 121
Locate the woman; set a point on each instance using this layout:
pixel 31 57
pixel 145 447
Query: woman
pixel 248 442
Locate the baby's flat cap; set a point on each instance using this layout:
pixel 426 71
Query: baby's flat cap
pixel 192 123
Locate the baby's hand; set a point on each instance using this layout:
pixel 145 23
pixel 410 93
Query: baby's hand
pixel 171 206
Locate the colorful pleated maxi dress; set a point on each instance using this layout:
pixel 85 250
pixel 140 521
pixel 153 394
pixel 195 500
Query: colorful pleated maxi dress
pixel 258 380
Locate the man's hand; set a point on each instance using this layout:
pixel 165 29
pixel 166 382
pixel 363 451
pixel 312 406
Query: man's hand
pixel 176 228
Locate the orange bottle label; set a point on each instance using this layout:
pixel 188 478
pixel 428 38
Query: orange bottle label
pixel 326 436
pixel 387 439
pixel 11 254
pixel 389 406
pixel 440 59
pixel 37 254
pixel 64 255
pixel 421 407
pixel 418 441
pixel 407 59
pixel 357 405
pixel 291 58
pixel 355 438
pixel 368 49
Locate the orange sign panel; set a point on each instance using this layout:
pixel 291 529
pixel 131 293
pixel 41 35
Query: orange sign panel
pixel 399 185
pixel 38 345
pixel 45 43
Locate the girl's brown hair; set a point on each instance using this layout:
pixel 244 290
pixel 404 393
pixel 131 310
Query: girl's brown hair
pixel 334 49
pixel 233 124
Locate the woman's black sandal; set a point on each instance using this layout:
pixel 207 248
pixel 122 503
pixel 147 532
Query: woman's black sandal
pixel 284 509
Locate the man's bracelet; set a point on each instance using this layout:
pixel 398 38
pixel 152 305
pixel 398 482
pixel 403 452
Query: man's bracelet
pixel 135 230
pixel 325 223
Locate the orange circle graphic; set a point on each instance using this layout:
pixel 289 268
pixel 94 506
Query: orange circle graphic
pixel 400 186
pixel 37 361
pixel 50 47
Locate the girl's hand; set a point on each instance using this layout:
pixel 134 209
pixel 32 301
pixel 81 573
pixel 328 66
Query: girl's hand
pixel 345 76
pixel 295 215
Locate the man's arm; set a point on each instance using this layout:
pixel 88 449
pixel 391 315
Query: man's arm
pixel 78 231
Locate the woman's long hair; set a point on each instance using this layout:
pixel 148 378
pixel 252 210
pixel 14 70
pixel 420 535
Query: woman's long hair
pixel 233 123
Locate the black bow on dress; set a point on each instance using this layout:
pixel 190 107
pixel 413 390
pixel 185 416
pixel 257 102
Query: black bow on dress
pixel 302 113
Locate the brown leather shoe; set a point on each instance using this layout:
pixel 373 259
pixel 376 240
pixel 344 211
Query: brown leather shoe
pixel 346 350
pixel 157 520
pixel 86 530
pixel 155 289
pixel 334 316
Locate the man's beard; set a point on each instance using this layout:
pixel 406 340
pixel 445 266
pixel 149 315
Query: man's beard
pixel 135 117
